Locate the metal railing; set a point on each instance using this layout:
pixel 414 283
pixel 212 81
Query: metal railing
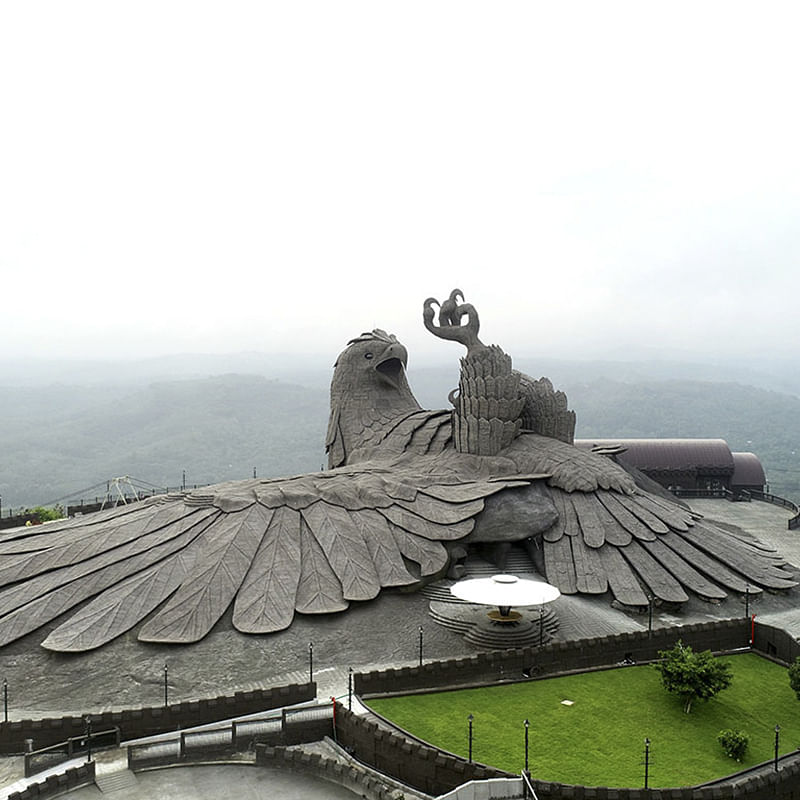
pixel 224 740
pixel 47 757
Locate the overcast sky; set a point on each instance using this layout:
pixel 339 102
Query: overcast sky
pixel 218 177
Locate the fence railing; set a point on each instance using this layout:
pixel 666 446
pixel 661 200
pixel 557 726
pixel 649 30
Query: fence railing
pixel 46 757
pixel 290 726
pixel 794 522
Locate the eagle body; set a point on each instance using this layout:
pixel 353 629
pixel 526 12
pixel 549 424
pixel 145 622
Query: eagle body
pixel 398 498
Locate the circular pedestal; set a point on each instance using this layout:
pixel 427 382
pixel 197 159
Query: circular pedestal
pixel 511 618
pixel 496 632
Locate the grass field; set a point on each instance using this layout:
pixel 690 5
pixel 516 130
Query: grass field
pixel 599 739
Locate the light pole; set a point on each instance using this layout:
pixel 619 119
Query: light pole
pixel 470 718
pixel 747 601
pixel 166 686
pixel 527 725
pixel 777 744
pixel 646 762
pixel 649 615
pixel 87 721
pixel 5 700
pixel 311 662
pixel 420 645
pixel 350 689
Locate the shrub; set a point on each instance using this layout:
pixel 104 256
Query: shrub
pixel 734 743
pixel 794 677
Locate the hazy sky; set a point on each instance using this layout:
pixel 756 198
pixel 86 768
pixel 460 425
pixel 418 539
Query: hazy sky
pixel 216 177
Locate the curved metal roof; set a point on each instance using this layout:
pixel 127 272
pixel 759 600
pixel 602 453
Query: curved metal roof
pixel 671 455
pixel 747 470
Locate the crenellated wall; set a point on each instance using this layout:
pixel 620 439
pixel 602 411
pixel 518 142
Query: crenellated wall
pixel 139 722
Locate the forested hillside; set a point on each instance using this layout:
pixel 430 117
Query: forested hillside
pixel 749 419
pixel 58 440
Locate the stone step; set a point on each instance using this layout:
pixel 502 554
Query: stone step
pixel 110 782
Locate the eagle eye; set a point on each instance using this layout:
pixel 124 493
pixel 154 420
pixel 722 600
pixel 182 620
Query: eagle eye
pixel 367 355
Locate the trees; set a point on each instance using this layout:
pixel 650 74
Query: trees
pixel 692 676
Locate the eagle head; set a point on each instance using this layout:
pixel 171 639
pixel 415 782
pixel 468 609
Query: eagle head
pixel 369 388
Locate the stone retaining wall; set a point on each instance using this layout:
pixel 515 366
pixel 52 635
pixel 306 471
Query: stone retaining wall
pixel 55 785
pixel 140 722
pixel 360 781
pixel 560 657
pixel 425 768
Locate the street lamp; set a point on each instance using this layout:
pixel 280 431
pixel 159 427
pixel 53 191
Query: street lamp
pixel 470 718
pixel 166 686
pixel 311 662
pixel 87 721
pixel 747 601
pixel 527 724
pixel 777 744
pixel 420 645
pixel 5 700
pixel 350 689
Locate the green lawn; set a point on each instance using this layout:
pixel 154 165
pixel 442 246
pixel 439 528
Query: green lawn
pixel 599 740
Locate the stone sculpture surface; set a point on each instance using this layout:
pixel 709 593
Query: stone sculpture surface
pixel 407 490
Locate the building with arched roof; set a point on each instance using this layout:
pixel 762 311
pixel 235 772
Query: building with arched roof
pixel 689 464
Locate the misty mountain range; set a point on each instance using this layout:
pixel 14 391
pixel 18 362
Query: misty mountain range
pixel 68 426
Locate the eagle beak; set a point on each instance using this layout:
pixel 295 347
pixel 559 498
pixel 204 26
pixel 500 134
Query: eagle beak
pixel 392 363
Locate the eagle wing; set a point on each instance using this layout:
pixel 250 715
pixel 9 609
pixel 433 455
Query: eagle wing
pixel 308 544
pixel 639 546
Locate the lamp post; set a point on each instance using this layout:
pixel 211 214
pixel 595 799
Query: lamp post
pixel 420 645
pixel 87 721
pixel 777 744
pixel 747 601
pixel 527 725
pixel 166 686
pixel 470 718
pixel 311 662
pixel 350 689
pixel 646 762
pixel 5 700
pixel 649 615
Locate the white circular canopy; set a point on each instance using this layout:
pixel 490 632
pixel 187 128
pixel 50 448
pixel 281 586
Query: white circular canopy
pixel 505 590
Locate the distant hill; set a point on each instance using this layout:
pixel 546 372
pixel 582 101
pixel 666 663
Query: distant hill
pixel 749 419
pixel 58 439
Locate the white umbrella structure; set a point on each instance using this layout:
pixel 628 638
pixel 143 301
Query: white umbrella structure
pixel 505 591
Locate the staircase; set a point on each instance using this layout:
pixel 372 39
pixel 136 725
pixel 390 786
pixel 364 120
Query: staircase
pixel 110 782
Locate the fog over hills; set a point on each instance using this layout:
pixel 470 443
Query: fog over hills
pixel 67 426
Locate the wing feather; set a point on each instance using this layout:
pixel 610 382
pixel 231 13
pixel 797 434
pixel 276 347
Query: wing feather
pixel 319 590
pixel 383 549
pixel 224 556
pixel 265 602
pixel 345 549
pixel 559 565
pixel 121 607
pixel 662 583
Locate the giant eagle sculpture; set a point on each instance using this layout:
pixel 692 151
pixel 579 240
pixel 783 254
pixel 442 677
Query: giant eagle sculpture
pixel 407 492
